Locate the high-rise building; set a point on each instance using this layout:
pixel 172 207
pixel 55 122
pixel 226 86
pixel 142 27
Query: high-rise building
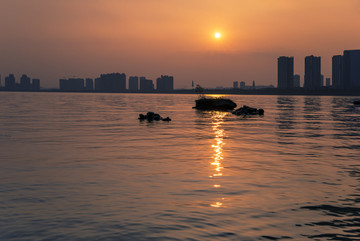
pixel 242 85
pixel 165 83
pixel 89 84
pixel 312 78
pixel 133 83
pixel 73 84
pixel 10 82
pixel 114 82
pixel 285 72
pixel 296 81
pixel 235 84
pixel 146 85
pixel 346 70
pixel 35 84
pixel 337 72
pixel 25 82
pixel 351 63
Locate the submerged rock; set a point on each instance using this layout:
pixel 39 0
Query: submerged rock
pixel 151 116
pixel 214 104
pixel 246 110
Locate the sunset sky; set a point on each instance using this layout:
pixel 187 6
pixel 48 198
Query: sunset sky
pixel 52 39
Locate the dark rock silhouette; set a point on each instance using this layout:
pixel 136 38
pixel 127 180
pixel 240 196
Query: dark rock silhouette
pixel 151 116
pixel 157 117
pixel 214 104
pixel 356 102
pixel 142 117
pixel 246 110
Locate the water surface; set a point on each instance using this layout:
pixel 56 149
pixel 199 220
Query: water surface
pixel 77 166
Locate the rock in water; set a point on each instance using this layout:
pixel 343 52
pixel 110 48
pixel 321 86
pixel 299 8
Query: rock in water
pixel 142 117
pixel 214 104
pixel 151 116
pixel 246 110
pixel 166 119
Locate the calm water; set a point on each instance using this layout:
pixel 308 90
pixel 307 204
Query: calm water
pixel 82 167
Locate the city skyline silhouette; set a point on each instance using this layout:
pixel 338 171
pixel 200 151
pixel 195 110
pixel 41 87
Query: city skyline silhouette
pixel 54 40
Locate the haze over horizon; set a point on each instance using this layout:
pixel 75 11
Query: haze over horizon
pixel 84 38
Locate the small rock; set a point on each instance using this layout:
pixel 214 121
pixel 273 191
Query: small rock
pixel 151 116
pixel 246 110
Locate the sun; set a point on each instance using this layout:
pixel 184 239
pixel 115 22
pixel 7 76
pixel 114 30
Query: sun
pixel 217 35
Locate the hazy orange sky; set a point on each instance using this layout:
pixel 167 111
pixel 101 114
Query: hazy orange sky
pixel 52 39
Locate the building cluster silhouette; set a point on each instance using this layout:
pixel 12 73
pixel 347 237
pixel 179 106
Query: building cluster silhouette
pixel 241 85
pixel 74 84
pixel 345 72
pixel 116 82
pixel 165 83
pixel 26 83
pixel 345 79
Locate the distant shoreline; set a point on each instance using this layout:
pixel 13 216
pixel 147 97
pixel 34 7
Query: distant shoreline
pixel 273 91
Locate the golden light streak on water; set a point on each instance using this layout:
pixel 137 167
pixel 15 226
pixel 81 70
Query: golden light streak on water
pixel 218 120
pixel 214 96
pixel 216 205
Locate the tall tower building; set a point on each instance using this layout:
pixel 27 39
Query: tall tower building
pixel 10 82
pixel 146 85
pixel 285 72
pixel 337 72
pixel 312 78
pixel 25 82
pixel 133 83
pixel 235 84
pixel 242 85
pixel 351 62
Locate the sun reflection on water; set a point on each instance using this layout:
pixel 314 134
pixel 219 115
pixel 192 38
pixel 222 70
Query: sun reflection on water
pixel 217 121
pixel 216 205
pixel 214 96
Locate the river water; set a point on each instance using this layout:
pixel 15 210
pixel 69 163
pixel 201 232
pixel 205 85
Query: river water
pixel 81 166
